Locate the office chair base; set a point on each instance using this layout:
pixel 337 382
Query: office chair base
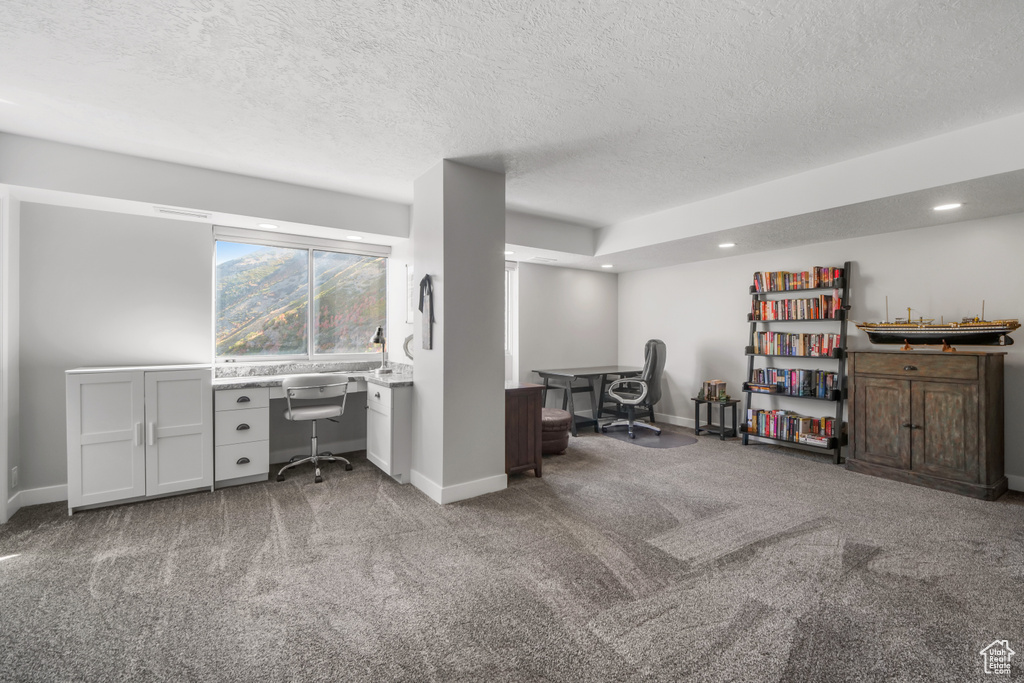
pixel 297 460
pixel 631 425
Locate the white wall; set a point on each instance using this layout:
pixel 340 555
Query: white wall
pixel 10 451
pixel 700 309
pixel 98 289
pixel 568 318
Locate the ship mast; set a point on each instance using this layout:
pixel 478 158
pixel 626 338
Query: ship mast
pixel 886 309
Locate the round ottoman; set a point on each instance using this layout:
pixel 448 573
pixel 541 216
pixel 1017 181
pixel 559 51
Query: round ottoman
pixel 554 430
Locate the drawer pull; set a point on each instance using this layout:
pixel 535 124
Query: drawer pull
pixel 242 461
pixel 909 368
pixel 911 426
pixel 376 395
pixel 242 427
pixel 242 399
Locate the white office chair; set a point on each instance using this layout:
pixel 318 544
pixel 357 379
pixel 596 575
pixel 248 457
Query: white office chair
pixel 313 387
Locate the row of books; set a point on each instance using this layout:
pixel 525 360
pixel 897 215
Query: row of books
pixel 793 382
pixel 789 426
pixel 783 281
pixel 823 307
pixel 795 344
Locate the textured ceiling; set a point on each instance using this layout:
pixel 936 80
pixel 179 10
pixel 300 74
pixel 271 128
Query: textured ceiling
pixel 598 111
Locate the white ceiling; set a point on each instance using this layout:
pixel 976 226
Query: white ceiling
pixel 598 111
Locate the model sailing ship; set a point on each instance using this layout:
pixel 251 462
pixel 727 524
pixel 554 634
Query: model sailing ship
pixel 969 331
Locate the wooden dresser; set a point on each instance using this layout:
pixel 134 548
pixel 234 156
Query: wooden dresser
pixel 929 418
pixel 523 427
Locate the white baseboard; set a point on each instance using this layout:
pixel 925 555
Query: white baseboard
pixel 40 496
pixel 674 420
pixel 451 494
pixel 1016 482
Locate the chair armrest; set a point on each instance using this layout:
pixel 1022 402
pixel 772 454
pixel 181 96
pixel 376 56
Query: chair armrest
pixel 627 399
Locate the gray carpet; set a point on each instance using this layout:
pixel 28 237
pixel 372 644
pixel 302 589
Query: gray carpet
pixel 712 562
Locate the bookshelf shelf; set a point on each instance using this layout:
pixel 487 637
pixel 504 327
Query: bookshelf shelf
pixel 776 301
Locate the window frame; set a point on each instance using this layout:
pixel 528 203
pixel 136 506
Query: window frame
pixel 310 244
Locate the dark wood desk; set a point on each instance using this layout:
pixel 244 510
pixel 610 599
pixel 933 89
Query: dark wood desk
pixel 523 405
pixel 563 379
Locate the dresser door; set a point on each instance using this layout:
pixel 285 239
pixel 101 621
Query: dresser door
pixel 179 431
pixel 945 434
pixel 882 408
pixel 106 451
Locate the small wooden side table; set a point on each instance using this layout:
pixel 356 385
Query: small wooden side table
pixel 720 428
pixel 523 427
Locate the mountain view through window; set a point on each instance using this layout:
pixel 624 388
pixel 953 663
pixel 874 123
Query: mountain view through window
pixel 263 295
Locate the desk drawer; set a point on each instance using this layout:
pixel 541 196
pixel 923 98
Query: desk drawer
pixel 227 465
pixel 378 397
pixel 911 365
pixel 241 426
pixel 240 399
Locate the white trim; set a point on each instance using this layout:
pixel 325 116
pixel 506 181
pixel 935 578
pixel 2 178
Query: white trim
pixel 1016 482
pixel 457 492
pixel 674 420
pixel 41 496
pixel 226 234
pixel 434 491
pixel 4 413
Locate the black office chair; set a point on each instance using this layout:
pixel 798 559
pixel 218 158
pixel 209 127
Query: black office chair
pixel 633 393
pixel 312 387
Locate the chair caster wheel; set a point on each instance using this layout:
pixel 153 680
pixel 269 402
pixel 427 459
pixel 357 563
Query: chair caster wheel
pixel 280 477
pixel 632 436
pixel 348 467
pixel 317 480
pixel 604 430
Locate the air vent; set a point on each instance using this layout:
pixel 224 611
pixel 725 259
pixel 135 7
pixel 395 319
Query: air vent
pixel 183 213
pixel 542 259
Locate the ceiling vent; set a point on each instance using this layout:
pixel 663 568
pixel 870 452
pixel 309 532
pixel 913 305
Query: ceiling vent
pixel 542 259
pixel 182 213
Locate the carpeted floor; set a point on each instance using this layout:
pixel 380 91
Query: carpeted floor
pixel 709 562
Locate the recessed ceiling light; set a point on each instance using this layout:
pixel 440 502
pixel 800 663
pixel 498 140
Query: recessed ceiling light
pixel 607 265
pixel 268 226
pixel 726 245
pixel 509 253
pixel 354 238
pixel 947 207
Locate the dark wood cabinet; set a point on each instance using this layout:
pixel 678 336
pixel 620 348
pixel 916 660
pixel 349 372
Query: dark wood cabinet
pixel 523 427
pixel 929 418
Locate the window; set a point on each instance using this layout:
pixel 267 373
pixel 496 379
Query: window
pixel 263 301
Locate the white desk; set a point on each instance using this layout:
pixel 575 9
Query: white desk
pixel 149 431
pixel 242 424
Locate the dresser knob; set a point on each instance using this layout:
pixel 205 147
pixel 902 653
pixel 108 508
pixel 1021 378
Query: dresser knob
pixel 909 368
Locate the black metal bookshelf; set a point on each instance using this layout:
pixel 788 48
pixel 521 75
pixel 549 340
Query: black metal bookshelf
pixel 837 395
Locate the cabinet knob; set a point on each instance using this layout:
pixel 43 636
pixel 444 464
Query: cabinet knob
pixel 242 427
pixel 242 399
pixel 909 368
pixel 911 426
pixel 242 461
pixel 376 395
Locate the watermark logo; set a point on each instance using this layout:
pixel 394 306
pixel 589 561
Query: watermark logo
pixel 997 657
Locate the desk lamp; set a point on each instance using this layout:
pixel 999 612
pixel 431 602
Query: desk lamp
pixel 378 338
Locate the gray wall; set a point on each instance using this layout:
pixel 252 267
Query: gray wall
pixel 567 318
pixel 700 309
pixel 99 289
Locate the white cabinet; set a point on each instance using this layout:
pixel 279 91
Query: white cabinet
pixel 136 433
pixel 389 429
pixel 242 436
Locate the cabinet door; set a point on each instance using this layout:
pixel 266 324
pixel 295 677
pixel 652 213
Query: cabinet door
pixel 179 431
pixel 378 438
pixel 945 441
pixel 881 408
pixel 106 452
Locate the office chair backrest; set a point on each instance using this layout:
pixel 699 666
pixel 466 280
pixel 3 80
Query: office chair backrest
pixel 312 387
pixel 654 365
